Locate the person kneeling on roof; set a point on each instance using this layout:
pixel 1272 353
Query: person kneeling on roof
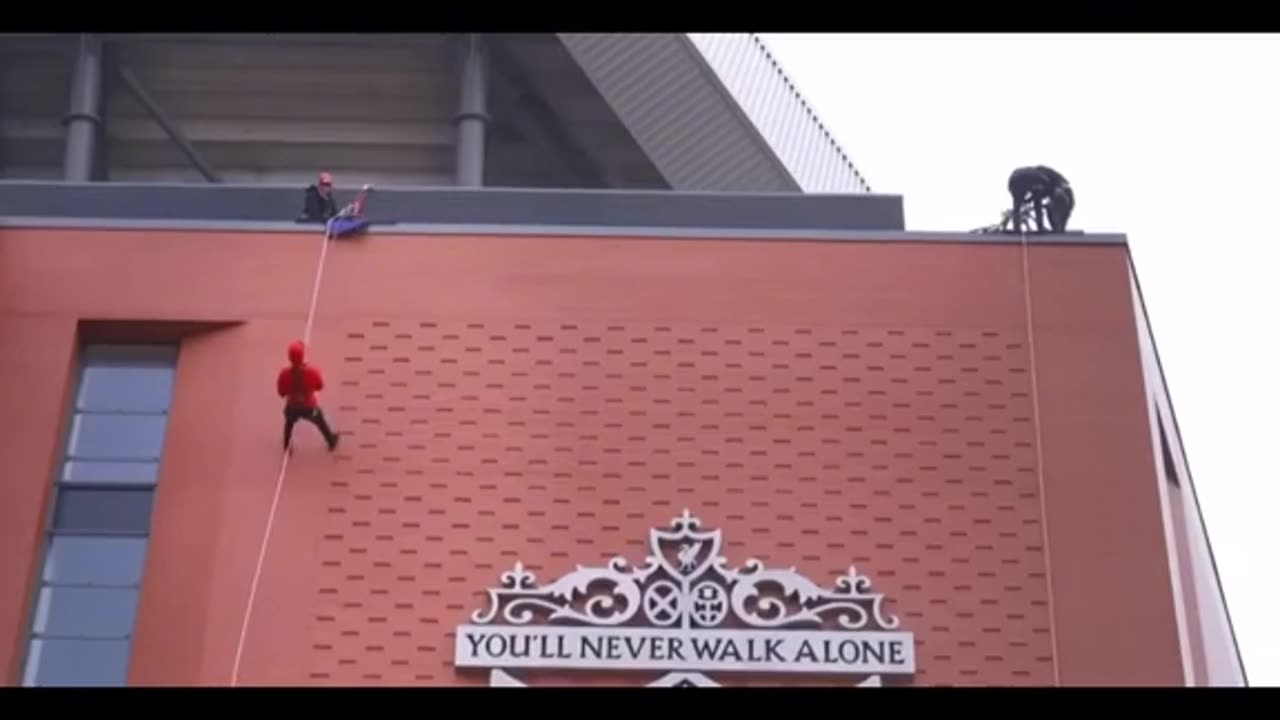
pixel 1040 187
pixel 298 382
pixel 319 206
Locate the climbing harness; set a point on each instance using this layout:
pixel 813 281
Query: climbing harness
pixel 284 467
pixel 1009 222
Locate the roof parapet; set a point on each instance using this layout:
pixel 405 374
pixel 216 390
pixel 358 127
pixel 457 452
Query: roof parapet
pixel 460 206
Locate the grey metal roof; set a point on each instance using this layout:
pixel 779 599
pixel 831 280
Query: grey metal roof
pixel 675 107
pixel 787 123
pixel 714 112
pixel 661 110
pixel 259 108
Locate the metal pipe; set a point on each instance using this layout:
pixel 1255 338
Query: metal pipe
pixel 472 118
pixel 84 117
pixel 153 109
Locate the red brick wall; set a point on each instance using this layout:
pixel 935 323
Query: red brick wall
pixel 551 399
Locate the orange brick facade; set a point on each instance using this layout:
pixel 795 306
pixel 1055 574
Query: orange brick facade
pixel 550 399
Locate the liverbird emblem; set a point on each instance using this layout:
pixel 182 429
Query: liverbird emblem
pixel 688 556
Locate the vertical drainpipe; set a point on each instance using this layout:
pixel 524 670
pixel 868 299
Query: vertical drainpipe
pixel 101 158
pixel 84 117
pixel 472 118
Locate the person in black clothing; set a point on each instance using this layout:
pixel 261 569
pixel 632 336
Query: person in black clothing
pixel 318 205
pixel 1042 187
pixel 1061 204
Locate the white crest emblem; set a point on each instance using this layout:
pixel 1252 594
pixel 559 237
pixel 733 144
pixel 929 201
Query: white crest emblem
pixel 685 610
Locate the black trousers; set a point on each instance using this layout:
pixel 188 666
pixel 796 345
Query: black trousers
pixel 293 413
pixel 1060 207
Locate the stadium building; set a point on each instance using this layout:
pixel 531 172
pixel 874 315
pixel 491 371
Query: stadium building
pixel 638 383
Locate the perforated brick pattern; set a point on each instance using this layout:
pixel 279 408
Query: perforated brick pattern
pixel 906 452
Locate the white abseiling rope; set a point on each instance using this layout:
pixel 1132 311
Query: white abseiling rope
pixel 284 467
pixel 1035 409
pixel 1039 443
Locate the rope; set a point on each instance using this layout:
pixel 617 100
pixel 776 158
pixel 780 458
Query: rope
pixel 1039 444
pixel 1035 410
pixel 284 467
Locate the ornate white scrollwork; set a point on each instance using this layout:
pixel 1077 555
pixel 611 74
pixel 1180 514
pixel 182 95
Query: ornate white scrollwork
pixel 849 605
pixel 686 581
pixel 610 596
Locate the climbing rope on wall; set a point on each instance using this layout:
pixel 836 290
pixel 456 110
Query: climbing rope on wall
pixel 1038 438
pixel 284 468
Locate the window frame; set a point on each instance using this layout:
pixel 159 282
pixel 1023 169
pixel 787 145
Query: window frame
pixel 89 355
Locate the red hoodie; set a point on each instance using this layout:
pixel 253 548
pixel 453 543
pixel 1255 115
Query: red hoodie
pixel 299 381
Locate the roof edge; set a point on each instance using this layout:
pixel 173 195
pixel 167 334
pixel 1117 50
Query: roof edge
pixel 602 231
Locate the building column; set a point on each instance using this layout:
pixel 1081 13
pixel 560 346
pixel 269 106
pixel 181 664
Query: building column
pixel 84 117
pixel 472 118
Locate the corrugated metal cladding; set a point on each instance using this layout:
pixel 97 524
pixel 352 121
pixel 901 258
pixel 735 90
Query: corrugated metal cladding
pixel 278 108
pixel 35 88
pixel 678 110
pixel 711 112
pixel 779 113
pixel 273 108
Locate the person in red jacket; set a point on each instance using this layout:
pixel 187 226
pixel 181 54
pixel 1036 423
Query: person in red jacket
pixel 298 382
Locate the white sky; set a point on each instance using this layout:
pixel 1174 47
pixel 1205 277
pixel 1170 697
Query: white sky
pixel 1171 139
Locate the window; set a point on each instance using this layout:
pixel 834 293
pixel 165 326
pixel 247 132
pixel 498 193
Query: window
pixel 1166 456
pixel 97 534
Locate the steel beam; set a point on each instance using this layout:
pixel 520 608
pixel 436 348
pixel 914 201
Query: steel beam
pixel 532 117
pixel 153 109
pixel 472 118
pixel 85 113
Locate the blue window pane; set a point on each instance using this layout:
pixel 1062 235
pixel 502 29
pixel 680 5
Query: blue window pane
pixel 77 663
pixel 103 511
pixel 127 437
pixel 113 561
pixel 136 389
pixel 80 612
pixel 111 472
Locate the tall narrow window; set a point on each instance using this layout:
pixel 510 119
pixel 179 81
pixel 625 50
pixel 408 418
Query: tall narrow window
pixel 97 536
pixel 1166 456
